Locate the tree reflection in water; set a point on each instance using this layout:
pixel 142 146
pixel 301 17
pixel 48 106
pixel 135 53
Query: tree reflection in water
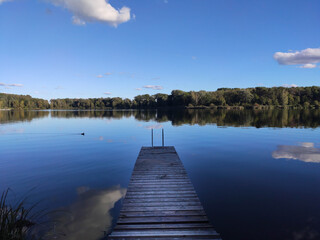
pixel 309 118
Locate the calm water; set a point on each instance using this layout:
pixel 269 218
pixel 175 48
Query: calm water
pixel 256 173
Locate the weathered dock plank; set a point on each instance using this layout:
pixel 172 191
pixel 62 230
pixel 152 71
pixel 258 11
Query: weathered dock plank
pixel 161 202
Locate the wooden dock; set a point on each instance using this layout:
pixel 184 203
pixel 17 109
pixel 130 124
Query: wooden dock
pixel 161 202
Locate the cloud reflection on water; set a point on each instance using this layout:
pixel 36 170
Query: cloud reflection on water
pixel 306 152
pixel 10 130
pixel 89 216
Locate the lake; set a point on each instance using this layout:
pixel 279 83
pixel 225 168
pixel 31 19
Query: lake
pixel 257 173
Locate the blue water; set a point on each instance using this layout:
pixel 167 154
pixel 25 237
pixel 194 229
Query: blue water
pixel 254 183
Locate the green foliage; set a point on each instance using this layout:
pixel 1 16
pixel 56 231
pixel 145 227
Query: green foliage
pixel 8 101
pixel 228 116
pixel 298 97
pixel 15 221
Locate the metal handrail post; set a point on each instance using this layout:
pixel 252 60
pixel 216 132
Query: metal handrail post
pixel 152 137
pixel 162 137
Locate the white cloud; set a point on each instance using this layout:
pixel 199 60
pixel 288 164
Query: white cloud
pixel 307 144
pixel 194 58
pixel 154 87
pixel 307 57
pixel 2 1
pixel 78 21
pixel 58 88
pixel 108 73
pixel 100 76
pixel 289 85
pixel 11 85
pixel 107 93
pixel 94 10
pixel 138 89
pixel 306 152
pixel 15 85
pixel 308 65
pixel 88 215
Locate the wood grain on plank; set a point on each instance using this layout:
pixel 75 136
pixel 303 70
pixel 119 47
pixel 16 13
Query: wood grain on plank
pixel 161 202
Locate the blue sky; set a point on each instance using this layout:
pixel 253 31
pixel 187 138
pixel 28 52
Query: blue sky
pixel 93 48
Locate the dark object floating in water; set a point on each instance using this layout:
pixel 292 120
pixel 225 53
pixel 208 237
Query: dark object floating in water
pixel 82 134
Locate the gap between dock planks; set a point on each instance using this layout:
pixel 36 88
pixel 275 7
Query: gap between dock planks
pixel 161 202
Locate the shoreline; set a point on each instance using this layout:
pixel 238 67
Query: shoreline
pixel 263 107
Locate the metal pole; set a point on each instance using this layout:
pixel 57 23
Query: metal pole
pixel 152 137
pixel 162 137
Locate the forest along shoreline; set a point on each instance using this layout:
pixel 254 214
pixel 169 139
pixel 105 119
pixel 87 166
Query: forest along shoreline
pixel 222 98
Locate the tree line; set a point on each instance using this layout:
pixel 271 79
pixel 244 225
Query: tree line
pixel 14 101
pixel 258 97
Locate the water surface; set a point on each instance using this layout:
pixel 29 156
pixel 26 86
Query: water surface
pixel 257 173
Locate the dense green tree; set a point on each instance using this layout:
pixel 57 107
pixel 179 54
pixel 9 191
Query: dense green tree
pixel 161 99
pixel 8 101
pixel 259 97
